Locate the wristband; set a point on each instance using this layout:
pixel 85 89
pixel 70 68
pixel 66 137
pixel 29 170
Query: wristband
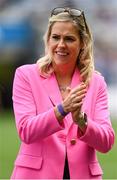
pixel 61 110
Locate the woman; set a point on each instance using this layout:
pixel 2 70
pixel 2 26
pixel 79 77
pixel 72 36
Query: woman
pixel 61 107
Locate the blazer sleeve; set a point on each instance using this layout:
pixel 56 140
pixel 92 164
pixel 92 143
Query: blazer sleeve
pixel 30 125
pixel 99 133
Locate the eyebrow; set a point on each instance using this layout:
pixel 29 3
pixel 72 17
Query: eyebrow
pixel 67 35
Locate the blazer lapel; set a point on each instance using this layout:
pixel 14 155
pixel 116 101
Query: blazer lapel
pixel 75 79
pixel 51 86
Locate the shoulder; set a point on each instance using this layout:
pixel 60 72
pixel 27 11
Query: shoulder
pixel 97 76
pixel 27 72
pixel 98 80
pixel 27 68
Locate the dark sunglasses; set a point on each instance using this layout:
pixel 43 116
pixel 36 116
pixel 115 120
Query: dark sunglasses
pixel 71 11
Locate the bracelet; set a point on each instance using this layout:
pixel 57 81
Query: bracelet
pixel 61 110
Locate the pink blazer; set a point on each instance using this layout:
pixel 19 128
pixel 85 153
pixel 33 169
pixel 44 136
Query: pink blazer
pixel 44 142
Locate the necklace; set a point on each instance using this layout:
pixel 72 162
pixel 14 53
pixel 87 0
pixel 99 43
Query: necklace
pixel 63 88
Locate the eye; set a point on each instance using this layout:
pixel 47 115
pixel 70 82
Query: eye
pixel 69 39
pixel 55 37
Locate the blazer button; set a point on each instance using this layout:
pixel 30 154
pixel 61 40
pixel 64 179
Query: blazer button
pixel 73 141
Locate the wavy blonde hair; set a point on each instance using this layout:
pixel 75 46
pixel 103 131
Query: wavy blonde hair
pixel 85 61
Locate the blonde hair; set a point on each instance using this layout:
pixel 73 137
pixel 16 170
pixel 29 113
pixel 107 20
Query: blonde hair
pixel 85 60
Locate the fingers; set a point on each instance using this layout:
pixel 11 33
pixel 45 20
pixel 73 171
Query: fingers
pixel 68 89
pixel 77 99
pixel 76 106
pixel 71 107
pixel 74 100
pixel 78 93
pixel 77 102
pixel 79 88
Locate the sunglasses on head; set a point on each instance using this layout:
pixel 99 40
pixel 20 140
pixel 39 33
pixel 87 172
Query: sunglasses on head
pixel 71 11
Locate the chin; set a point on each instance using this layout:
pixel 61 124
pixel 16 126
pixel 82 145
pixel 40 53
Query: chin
pixel 61 62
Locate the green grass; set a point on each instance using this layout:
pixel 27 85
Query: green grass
pixel 9 145
pixel 108 161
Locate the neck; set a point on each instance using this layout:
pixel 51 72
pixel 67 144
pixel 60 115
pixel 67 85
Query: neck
pixel 64 71
pixel 64 76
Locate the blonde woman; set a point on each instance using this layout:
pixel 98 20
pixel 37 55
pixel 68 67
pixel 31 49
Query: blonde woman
pixel 61 105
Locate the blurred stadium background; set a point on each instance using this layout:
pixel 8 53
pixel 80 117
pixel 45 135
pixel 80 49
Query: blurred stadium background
pixel 22 25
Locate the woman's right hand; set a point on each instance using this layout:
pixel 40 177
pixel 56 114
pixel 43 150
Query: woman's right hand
pixel 75 97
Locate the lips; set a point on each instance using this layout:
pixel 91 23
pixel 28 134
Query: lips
pixel 61 53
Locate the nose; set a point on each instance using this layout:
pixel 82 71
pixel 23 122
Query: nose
pixel 61 43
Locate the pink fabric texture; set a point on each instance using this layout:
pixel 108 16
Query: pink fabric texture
pixel 44 142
